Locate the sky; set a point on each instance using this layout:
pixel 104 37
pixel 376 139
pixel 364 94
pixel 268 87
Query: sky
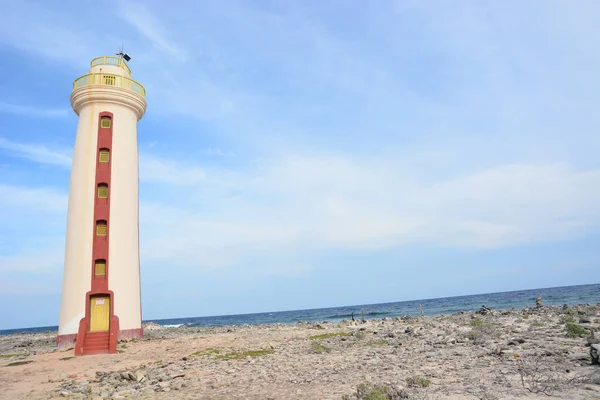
pixel 301 154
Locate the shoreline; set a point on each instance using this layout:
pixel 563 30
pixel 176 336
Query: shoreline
pixel 466 355
pixel 376 310
pixel 34 330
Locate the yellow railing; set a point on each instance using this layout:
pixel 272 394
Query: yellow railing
pixel 111 60
pixel 109 80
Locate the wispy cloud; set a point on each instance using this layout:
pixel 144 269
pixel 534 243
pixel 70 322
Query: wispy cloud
pixel 45 262
pixel 285 269
pixel 64 40
pixel 33 112
pixel 32 200
pixel 218 152
pixel 335 204
pixel 163 170
pixel 27 254
pixel 139 16
pixel 341 202
pixel 37 152
pixel 152 168
pixel 28 289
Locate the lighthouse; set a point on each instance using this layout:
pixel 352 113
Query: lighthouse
pixel 101 297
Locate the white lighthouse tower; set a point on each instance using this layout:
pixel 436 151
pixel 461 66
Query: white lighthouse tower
pixel 101 285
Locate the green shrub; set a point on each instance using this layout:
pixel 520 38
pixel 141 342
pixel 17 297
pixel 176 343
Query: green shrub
pixel 566 319
pixel 378 343
pixel 366 391
pixel 330 335
pixel 318 347
pixel 206 352
pixel 417 381
pixel 15 363
pixel 238 355
pixel 574 330
pixel 482 331
pixel 11 355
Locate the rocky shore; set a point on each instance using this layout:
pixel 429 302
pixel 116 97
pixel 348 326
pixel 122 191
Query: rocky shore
pixel 538 352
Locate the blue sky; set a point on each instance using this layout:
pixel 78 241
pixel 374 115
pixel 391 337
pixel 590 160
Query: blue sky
pixel 300 154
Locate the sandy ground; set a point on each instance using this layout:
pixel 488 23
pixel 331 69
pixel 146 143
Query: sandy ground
pixel 498 355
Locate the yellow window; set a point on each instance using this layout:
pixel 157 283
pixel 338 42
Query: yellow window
pixel 109 80
pixel 104 155
pixel 105 122
pixel 102 191
pixel 101 228
pixel 100 268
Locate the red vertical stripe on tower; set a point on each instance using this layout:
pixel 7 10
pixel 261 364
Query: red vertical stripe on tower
pixel 100 244
pixel 102 205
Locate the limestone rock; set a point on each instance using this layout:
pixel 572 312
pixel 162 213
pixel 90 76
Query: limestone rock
pixel 595 353
pixel 538 302
pixel 140 377
pixel 484 310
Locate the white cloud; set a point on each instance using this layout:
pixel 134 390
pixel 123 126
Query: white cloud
pixel 152 168
pixel 218 152
pixel 38 200
pixel 45 262
pixel 29 111
pixel 286 269
pixel 334 203
pixel 150 26
pixel 38 153
pixel 28 288
pixel 32 270
pixel 49 32
pixel 164 170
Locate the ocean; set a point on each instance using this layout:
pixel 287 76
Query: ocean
pixel 571 295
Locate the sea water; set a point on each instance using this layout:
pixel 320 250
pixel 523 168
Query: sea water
pixel 583 294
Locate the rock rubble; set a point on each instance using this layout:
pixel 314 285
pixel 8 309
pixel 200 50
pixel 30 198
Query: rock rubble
pixel 468 355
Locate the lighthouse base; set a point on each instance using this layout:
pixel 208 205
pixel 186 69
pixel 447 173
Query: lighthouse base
pixel 129 334
pixel 66 342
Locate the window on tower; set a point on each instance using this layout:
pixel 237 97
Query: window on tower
pixel 100 268
pixel 101 228
pixel 109 80
pixel 105 122
pixel 104 156
pixel 102 191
